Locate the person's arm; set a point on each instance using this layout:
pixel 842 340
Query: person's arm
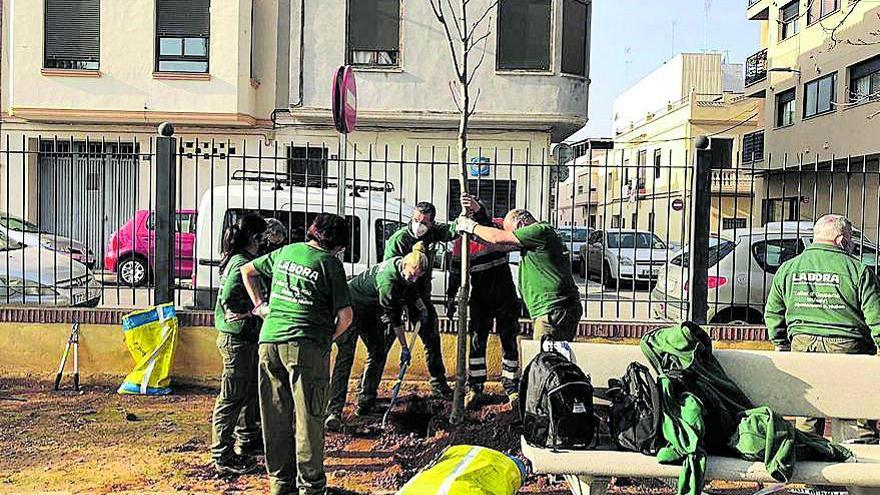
pixel 774 314
pixel 343 320
pixel 490 235
pixel 870 302
pixel 250 276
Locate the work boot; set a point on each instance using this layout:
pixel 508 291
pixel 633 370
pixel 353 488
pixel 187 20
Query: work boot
pixel 333 422
pixel 236 465
pixel 473 399
pixel 441 390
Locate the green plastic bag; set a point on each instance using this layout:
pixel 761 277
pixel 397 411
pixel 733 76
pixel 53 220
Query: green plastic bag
pixel 151 338
pixel 468 470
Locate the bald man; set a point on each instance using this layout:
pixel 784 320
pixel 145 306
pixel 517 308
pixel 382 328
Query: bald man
pixel 545 279
pixel 825 300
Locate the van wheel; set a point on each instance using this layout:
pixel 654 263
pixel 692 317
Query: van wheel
pixel 610 282
pixel 133 271
pixel 739 316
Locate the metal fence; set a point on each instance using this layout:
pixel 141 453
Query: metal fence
pixel 78 225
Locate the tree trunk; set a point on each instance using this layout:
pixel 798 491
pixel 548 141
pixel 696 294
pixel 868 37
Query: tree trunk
pixel 457 415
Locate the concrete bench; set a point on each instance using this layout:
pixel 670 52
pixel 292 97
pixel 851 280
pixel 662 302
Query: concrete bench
pixel 792 384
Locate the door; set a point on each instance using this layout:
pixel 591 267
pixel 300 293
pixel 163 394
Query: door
pixel 767 256
pixel 596 251
pixel 87 191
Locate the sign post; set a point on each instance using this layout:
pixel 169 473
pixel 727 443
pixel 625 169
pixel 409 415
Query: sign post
pixel 345 120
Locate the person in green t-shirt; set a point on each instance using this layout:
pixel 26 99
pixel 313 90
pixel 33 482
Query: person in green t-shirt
pixel 424 228
pixel 825 300
pixel 309 307
pixel 236 411
pixel 379 297
pixel 545 279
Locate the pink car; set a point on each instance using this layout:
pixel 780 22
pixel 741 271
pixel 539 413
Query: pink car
pixel 131 251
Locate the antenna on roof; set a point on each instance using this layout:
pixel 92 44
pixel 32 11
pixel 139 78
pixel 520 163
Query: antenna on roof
pixel 674 24
pixel 707 6
pixel 627 57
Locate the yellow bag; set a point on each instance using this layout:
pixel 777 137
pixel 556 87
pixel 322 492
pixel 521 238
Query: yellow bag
pixel 468 470
pixel 151 337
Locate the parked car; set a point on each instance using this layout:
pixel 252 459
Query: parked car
pixel 574 238
pixel 742 263
pixel 34 275
pixel 29 234
pixel 621 254
pixel 131 249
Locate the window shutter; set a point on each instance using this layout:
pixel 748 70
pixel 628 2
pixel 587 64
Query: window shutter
pixel 73 30
pixel 183 18
pixel 374 25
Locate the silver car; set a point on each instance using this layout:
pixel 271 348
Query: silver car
pixel 573 238
pixel 37 276
pixel 19 229
pixel 622 254
pixel 741 267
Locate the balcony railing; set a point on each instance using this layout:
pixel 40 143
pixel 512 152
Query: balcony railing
pixel 753 2
pixel 756 67
pixel 732 181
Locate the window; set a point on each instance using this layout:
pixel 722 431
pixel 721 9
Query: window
pixel 575 22
pixel 616 222
pixel 72 34
pixel 523 35
pixel 773 253
pixel 307 165
pixel 182 32
pixel 580 188
pixel 635 240
pixel 592 221
pixel 780 210
pixel 788 20
pixel 864 81
pixel 374 32
pixel 498 196
pixel 641 165
pixel 657 165
pixel 297 222
pixel 821 8
pixel 734 223
pixel 819 95
pixel 753 147
pixel 651 217
pixel 185 223
pixel 867 254
pixel 785 108
pixel 718 250
pixel 635 220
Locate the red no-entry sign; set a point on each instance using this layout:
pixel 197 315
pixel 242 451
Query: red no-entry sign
pixel 677 204
pixel 344 100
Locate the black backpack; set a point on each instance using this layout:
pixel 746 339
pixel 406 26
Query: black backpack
pixel 636 412
pixel 556 400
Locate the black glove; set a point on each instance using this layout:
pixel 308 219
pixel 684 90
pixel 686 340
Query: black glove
pixel 450 308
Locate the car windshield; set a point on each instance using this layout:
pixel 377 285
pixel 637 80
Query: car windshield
pixel 9 244
pixel 718 249
pixel 637 240
pixel 573 235
pixel 13 223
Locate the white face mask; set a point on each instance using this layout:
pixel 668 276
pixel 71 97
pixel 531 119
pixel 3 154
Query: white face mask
pixel 418 229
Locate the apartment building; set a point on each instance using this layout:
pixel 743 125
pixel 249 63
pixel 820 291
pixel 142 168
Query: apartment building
pixel 579 193
pixel 656 121
pixel 247 84
pixel 817 74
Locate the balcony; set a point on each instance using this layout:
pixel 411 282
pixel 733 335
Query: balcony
pixel 585 199
pixel 756 67
pixel 758 10
pixel 732 181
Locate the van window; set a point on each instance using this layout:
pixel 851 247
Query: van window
pixel 384 230
pixel 718 250
pixel 297 223
pixel 186 223
pixel 773 253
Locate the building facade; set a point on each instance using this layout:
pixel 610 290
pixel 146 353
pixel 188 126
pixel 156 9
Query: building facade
pixel 579 193
pixel 648 188
pixel 247 84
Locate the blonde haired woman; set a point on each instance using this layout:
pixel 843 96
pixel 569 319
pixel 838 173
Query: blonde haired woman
pixel 379 297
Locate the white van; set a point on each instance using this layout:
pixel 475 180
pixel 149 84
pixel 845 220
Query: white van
pixel 369 208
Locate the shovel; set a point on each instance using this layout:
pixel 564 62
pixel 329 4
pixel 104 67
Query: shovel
pixel 396 391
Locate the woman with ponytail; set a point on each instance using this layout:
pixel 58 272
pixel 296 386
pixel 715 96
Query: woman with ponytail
pixel 236 428
pixel 379 297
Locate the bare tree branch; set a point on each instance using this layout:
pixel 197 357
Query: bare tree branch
pixel 478 40
pixel 458 27
pixel 441 17
pixel 473 107
pixel 455 95
pixel 484 16
pixel 477 65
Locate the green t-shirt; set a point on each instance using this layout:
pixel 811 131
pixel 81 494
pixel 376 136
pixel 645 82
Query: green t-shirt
pixel 234 297
pixel 825 292
pixel 308 288
pixel 401 244
pixel 383 289
pixel 545 278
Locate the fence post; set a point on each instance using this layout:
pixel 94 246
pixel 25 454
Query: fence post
pixel 166 207
pixel 698 271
